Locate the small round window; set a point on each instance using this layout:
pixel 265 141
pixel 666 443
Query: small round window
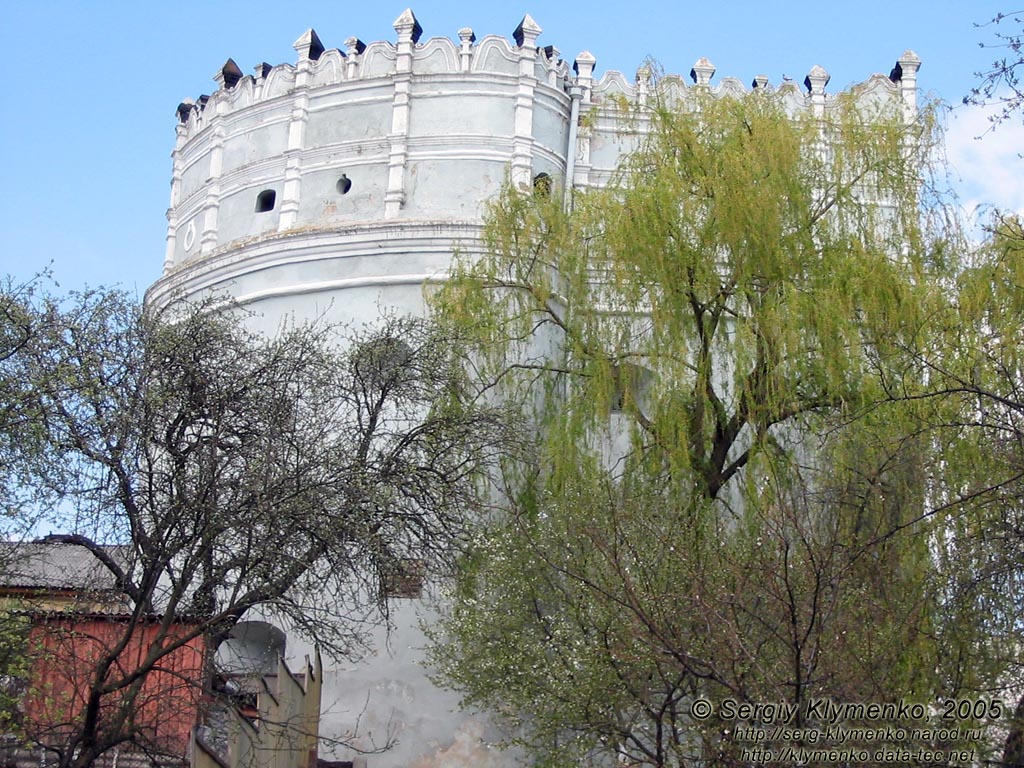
pixel 344 184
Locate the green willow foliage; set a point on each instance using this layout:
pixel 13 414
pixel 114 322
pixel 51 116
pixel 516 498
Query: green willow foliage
pixel 977 419
pixel 724 356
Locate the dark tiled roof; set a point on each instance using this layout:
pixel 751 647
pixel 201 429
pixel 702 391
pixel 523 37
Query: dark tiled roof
pixel 56 565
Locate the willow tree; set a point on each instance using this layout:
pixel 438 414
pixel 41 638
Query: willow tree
pixel 977 388
pixel 725 499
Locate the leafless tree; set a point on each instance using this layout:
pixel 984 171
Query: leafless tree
pixel 235 472
pixel 999 84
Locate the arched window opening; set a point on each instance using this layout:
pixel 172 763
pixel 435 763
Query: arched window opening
pixel 631 385
pixel 265 200
pixel 542 185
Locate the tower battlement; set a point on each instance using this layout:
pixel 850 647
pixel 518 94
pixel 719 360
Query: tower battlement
pixel 371 164
pixel 317 67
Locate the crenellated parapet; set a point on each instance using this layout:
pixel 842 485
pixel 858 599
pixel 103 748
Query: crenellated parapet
pixel 497 56
pixel 493 55
pixel 356 142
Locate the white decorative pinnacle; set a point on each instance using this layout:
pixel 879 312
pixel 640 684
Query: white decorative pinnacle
pixel 702 71
pixel 816 80
pixel 584 69
pixel 906 67
pixel 354 47
pixel 466 40
pixel 408 29
pixel 584 64
pixel 760 82
pixel 527 32
pixel 904 74
pixel 644 75
pixel 308 46
pixel 910 59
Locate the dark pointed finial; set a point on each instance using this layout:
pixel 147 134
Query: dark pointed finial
pixel 185 109
pixel 229 74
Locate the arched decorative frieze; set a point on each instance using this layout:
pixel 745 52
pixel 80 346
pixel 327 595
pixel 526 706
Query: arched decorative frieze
pixel 611 85
pixel 243 94
pixel 328 69
pixel 193 123
pixel 561 77
pixel 877 94
pixel 280 80
pixel 877 82
pixel 438 55
pixel 216 104
pixel 876 91
pixel 673 88
pixel 731 86
pixel 378 60
pixel 494 54
pixel 551 69
pixel 793 98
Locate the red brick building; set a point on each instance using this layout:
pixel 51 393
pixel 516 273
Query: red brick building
pixel 86 655
pixel 74 657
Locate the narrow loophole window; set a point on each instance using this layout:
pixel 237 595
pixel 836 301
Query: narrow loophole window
pixel 344 184
pixel 265 201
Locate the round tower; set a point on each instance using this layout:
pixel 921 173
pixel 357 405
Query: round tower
pixel 336 186
pixel 347 179
pixel 340 183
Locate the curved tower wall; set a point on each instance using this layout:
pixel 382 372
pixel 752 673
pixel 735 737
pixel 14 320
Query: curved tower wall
pixel 380 160
pixel 425 133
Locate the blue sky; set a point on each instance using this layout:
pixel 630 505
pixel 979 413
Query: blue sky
pixel 90 88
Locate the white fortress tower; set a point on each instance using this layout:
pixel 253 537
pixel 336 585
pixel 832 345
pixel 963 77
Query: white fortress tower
pixel 339 184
